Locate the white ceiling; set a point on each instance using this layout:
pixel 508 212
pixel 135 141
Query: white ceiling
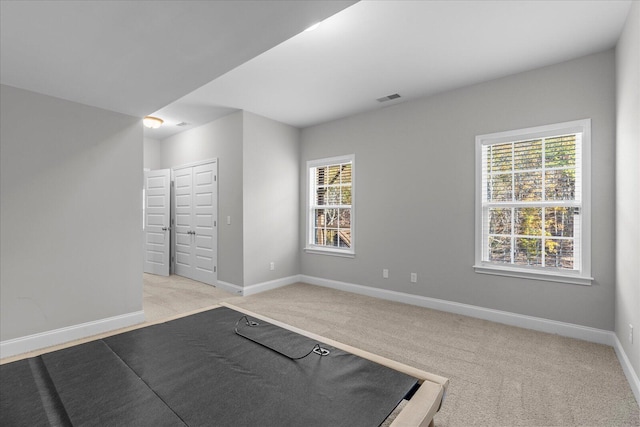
pixel 368 50
pixel 135 57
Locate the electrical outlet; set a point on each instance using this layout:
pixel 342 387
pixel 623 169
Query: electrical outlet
pixel 414 277
pixel 385 273
pixel 272 266
pixel 630 333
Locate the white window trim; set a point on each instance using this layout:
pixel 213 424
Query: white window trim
pixel 324 250
pixel 582 277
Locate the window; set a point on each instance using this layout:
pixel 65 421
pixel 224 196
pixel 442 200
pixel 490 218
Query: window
pixel 330 203
pixel 532 203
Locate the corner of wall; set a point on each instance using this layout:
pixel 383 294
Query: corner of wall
pixel 627 289
pixel 270 199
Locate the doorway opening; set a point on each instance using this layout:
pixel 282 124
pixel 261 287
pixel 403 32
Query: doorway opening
pixel 181 221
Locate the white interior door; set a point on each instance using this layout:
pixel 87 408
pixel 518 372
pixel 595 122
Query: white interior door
pixel 156 222
pixel 204 222
pixel 196 205
pixel 182 188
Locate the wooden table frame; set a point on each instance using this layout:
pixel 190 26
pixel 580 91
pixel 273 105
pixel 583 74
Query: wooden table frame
pixel 419 411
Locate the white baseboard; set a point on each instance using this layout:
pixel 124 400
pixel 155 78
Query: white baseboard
pixel 229 287
pixel 631 375
pixel 258 287
pixel 271 284
pixel 33 342
pixel 529 322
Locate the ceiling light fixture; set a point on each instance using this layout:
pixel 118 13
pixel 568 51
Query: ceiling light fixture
pixel 152 122
pixel 313 27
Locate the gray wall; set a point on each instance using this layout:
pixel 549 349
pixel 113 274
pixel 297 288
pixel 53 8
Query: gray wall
pixel 270 169
pixel 151 153
pixel 221 139
pixel 257 168
pixel 70 213
pixel 415 190
pixel 628 187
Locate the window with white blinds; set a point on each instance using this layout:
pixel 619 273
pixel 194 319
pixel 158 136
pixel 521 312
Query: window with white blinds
pixel 532 203
pixel 330 202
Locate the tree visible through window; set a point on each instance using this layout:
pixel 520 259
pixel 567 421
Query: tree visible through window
pixel 330 203
pixel 532 199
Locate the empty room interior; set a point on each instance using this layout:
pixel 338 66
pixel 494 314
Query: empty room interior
pixel 451 186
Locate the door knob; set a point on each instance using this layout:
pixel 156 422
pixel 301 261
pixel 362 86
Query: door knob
pixel 165 228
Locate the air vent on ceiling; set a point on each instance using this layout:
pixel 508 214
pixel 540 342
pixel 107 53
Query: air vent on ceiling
pixel 388 97
pixel 182 124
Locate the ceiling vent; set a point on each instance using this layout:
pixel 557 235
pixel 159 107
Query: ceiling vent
pixel 388 97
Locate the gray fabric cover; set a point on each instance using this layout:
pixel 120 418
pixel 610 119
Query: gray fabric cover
pixel 197 371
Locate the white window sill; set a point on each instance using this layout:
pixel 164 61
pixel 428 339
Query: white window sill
pixel 549 276
pixel 331 252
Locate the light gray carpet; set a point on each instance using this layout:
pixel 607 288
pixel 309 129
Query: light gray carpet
pixel 164 297
pixel 499 375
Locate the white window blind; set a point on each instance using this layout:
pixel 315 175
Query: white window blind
pixel 330 220
pixel 532 208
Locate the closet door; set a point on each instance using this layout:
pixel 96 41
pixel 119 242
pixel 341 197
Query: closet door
pixel 196 205
pixel 156 222
pixel 205 195
pixel 182 190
